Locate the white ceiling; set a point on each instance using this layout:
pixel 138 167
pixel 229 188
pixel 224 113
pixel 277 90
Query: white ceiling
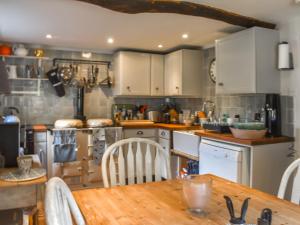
pixel 84 26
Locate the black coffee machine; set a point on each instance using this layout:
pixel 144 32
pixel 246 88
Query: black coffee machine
pixel 273 115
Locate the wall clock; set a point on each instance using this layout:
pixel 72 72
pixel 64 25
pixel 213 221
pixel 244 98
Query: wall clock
pixel 212 70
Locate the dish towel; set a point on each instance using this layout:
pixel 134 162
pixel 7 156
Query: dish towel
pixel 98 145
pixel 4 84
pixel 112 135
pixel 103 140
pixel 64 146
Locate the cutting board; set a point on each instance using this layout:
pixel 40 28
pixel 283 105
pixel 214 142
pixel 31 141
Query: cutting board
pixel 136 122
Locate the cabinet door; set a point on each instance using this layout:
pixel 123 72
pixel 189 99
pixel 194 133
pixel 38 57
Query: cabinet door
pixel 235 63
pixel 165 144
pixel 173 73
pixel 157 75
pixel 191 75
pixel 141 133
pixel 135 73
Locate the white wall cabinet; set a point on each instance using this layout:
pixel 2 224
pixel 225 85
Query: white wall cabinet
pixel 183 73
pixel 246 62
pixel 157 75
pixel 132 73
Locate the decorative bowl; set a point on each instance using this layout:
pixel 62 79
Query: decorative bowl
pixel 249 126
pixel 248 134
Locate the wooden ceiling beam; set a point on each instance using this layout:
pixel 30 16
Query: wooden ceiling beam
pixel 180 7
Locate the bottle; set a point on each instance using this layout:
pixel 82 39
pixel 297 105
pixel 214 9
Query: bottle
pixel 263 115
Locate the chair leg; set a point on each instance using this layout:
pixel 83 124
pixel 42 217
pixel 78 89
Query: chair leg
pixel 30 216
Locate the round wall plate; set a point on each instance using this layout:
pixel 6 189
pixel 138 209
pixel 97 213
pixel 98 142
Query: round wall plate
pixel 212 70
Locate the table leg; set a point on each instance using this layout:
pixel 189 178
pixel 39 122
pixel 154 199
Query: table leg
pixel 30 216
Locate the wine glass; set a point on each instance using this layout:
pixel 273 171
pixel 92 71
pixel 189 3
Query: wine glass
pixel 197 193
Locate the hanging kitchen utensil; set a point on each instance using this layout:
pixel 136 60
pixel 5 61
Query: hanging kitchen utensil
pixel 92 77
pixel 66 74
pixel 56 82
pixel 237 220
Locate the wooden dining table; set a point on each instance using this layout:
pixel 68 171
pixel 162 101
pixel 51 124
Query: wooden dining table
pixel 163 203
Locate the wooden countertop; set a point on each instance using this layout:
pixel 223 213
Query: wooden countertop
pixel 250 142
pixel 162 203
pixel 213 135
pixel 163 126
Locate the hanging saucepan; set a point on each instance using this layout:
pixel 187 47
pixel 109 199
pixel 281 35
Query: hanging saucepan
pixel 66 74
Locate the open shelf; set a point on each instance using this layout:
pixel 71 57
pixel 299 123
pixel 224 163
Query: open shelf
pixel 32 79
pixel 24 57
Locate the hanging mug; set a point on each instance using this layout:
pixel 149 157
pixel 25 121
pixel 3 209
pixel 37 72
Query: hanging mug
pixel 12 71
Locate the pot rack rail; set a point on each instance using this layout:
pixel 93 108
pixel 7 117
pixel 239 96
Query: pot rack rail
pixel 105 82
pixel 80 61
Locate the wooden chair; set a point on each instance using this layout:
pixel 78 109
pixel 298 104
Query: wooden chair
pixel 295 198
pixel 60 206
pixel 144 160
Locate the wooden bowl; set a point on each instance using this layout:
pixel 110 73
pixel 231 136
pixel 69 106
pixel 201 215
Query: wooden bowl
pixel 248 134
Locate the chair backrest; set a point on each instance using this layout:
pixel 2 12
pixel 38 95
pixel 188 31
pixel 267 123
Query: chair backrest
pixel 295 197
pixel 60 206
pixel 135 160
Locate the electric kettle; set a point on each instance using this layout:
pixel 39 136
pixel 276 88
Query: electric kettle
pixel 10 117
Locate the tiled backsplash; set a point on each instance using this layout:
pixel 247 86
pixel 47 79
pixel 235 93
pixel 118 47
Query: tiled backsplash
pixel 98 103
pixel 287 115
pixel 244 105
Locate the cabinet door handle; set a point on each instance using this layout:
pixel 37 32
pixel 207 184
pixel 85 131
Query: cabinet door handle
pixel 221 84
pixel 140 132
pixel 128 88
pixel 157 88
pixel 177 87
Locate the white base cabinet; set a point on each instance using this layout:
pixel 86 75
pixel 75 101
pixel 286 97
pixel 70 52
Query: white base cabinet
pixel 141 133
pixel 265 163
pixel 246 62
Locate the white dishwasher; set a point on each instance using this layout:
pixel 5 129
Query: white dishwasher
pixel 225 160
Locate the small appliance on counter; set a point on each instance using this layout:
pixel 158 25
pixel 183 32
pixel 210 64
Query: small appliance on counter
pixel 273 115
pixel 9 116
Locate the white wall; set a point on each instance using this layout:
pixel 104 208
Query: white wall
pixel 290 80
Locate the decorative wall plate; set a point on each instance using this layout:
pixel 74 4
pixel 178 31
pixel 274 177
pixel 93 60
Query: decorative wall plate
pixel 212 70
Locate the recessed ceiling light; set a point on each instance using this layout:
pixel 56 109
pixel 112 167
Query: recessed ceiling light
pixel 160 46
pixel 49 36
pixel 86 55
pixel 110 40
pixel 185 36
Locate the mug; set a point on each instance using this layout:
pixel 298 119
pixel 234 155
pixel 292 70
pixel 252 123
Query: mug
pixel 12 71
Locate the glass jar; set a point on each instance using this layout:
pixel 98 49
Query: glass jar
pixel 197 193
